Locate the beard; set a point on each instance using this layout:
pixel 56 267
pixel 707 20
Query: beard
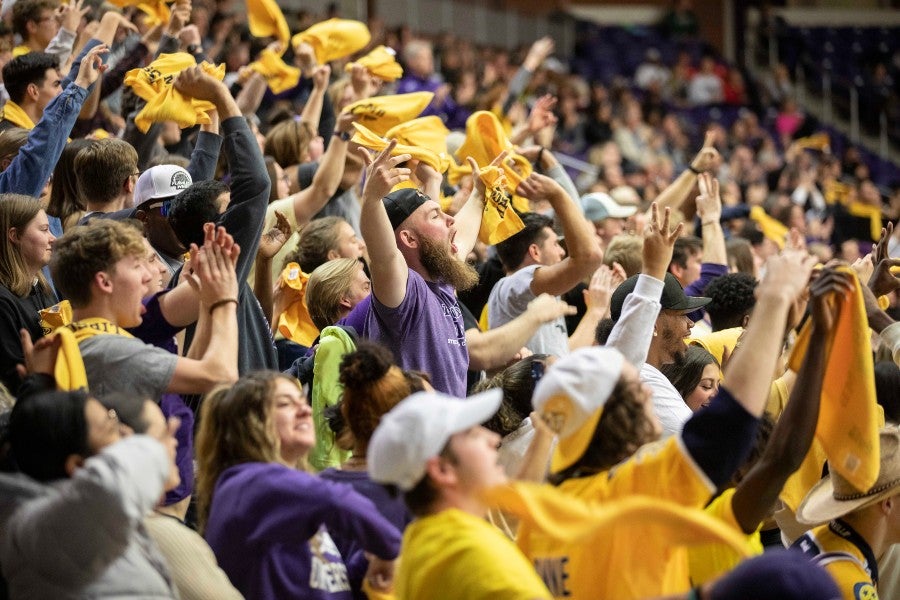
pixel 443 266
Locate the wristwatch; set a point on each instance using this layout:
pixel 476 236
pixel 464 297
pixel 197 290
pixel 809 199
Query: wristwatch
pixel 194 48
pixel 344 135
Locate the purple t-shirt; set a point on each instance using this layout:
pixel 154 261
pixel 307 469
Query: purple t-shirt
pixel 269 529
pixel 425 333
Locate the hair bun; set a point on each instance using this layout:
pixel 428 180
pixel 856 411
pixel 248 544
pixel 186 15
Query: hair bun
pixel 366 365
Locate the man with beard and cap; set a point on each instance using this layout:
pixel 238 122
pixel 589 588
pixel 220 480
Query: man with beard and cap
pixel 667 346
pixel 417 261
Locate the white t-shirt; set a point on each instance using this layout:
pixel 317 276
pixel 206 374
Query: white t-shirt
pixel 673 413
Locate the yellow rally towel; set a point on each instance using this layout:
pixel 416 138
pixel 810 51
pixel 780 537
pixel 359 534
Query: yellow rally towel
pixel 157 11
pixel 595 543
pixel 20 50
pixel 334 39
pixel 13 113
pixel 485 139
pixel 425 132
pixel 873 213
pixel 457 171
pixel 847 431
pixel 295 323
pixel 381 63
pixel 498 221
pixel 55 316
pixel 279 75
pixel 771 227
pixel 266 20
pixel 817 141
pixel 382 113
pixel 368 139
pixel 154 83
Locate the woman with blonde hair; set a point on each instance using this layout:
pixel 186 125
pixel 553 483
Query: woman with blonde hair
pixel 334 289
pixel 24 251
pixel 267 521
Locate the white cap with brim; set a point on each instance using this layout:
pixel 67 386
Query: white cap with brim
pixel 834 497
pixel 598 206
pixel 418 428
pixel 163 181
pixel 571 396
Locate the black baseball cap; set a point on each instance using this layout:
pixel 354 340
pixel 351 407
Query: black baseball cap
pixel 673 296
pixel 401 203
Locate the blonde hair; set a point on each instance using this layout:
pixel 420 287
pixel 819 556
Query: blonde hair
pixel 16 212
pixel 236 427
pixel 288 142
pixel 89 249
pixel 326 287
pixel 625 249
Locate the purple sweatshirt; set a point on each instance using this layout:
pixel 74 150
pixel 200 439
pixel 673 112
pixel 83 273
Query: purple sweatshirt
pixel 269 529
pixel 708 272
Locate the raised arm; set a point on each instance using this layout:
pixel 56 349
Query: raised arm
pixel 633 331
pixel 582 245
pixel 312 110
pixel 495 347
pixel 387 265
pixel 750 369
pixel 709 209
pixel 677 191
pixel 793 434
pixel 468 217
pixel 217 282
pixel 309 201
pixel 596 300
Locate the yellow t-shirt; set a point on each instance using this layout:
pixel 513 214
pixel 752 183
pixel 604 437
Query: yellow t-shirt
pixel 711 560
pixel 661 470
pixel 454 554
pixel 846 557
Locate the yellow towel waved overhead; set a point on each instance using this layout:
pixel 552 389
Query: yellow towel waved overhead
pixel 266 20
pixel 154 83
pixel 771 227
pixel 849 417
pixel 381 63
pixel 157 11
pixel 279 75
pixel 334 39
pixel 562 535
pixel 368 139
pixel 457 171
pixel 485 139
pixel 499 221
pixel 295 323
pixel 382 113
pixel 425 132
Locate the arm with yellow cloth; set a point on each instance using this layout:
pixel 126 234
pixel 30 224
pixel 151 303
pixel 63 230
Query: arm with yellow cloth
pixel 757 492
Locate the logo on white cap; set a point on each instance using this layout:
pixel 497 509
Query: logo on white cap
pixel 180 180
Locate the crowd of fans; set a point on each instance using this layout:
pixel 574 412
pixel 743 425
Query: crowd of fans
pixel 326 316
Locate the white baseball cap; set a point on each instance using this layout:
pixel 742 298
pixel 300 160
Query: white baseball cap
pixel 571 396
pixel 598 206
pixel 163 181
pixel 419 428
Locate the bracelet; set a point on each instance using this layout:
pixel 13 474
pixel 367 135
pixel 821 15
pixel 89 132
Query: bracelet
pixel 343 135
pixel 539 157
pixel 693 170
pixel 711 222
pixel 219 303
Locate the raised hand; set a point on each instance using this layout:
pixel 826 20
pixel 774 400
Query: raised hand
pixel 71 14
pixel 659 242
pixel 196 83
pixel 786 275
pixel 709 202
pixel 473 164
pixel 540 187
pixel 546 308
pixel 600 289
pixel 826 293
pixel 708 158
pixel 541 114
pixel 275 238
pixel 91 66
pixel 883 281
pixel 382 172
pixel 39 357
pixel 321 77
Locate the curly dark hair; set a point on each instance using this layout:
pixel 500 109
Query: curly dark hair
pixel 732 299
pixel 517 382
pixel 623 428
pixel 373 385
